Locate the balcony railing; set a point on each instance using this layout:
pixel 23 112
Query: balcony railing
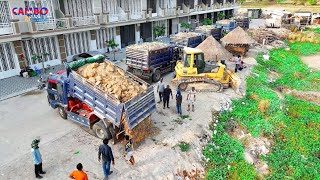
pixel 83 21
pixel 52 24
pixel 137 15
pixel 170 12
pixel 117 17
pixel 6 29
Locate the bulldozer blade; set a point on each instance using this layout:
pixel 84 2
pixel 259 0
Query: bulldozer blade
pixel 235 81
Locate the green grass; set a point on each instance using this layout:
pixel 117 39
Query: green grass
pixel 294 128
pixel 184 147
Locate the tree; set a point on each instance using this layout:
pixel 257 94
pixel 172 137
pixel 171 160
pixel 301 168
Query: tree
pixel 186 26
pixel 159 31
pixel 312 2
pixel 220 15
pixel 40 57
pixel 207 21
pixel 112 44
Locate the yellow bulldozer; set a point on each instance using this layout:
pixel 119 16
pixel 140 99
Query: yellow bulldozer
pixel 193 69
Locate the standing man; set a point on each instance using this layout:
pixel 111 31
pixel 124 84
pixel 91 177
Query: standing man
pixel 166 96
pixel 179 102
pixel 160 89
pixel 107 157
pixel 238 62
pixel 191 98
pixel 78 174
pixel 129 150
pixel 36 157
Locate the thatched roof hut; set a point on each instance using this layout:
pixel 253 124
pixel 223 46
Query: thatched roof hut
pixel 237 37
pixel 213 50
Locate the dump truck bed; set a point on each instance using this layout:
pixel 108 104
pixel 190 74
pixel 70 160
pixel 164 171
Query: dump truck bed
pixel 108 107
pixel 146 59
pixel 182 39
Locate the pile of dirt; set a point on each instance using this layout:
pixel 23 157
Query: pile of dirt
pixel 112 80
pixel 147 46
pixel 310 96
pixel 194 174
pixel 143 130
pixel 312 61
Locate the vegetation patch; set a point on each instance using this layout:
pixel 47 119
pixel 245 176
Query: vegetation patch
pixel 292 124
pixel 184 147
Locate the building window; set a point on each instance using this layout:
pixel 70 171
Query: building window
pixel 4 12
pixel 6 57
pixel 40 46
pixel 77 43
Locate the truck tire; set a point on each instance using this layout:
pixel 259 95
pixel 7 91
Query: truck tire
pixel 62 112
pixel 156 76
pixel 173 66
pixel 100 131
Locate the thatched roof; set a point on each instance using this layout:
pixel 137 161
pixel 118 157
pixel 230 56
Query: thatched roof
pixel 237 36
pixel 213 50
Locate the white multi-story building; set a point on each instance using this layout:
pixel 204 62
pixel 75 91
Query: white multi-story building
pixel 76 26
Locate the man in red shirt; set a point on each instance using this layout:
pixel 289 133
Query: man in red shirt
pixel 79 174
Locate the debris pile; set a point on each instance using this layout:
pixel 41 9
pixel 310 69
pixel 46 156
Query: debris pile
pixel 304 37
pixel 262 34
pixel 112 80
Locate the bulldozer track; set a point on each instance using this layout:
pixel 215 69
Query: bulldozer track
pixel 218 86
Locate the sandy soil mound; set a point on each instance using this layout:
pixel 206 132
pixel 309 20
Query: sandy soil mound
pixel 312 61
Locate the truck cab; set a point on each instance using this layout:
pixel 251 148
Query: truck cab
pixel 57 92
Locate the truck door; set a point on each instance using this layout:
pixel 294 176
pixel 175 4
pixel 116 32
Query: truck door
pixel 55 93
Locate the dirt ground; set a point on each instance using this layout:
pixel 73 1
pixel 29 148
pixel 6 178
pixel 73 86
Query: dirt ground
pixel 157 157
pixel 312 61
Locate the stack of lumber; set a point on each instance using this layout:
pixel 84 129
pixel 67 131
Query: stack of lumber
pixel 112 80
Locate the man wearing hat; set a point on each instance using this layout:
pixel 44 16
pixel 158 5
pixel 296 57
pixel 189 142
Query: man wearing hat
pixel 36 157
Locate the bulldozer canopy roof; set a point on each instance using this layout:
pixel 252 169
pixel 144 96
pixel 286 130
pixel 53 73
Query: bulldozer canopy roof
pixel 189 50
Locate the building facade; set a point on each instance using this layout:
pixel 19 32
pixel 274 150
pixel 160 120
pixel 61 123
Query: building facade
pixel 76 26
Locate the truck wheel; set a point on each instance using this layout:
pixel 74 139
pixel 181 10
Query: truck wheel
pixel 100 131
pixel 183 86
pixel 173 67
pixel 62 112
pixel 156 76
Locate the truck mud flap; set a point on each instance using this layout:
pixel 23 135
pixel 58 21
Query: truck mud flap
pixel 140 107
pixel 78 119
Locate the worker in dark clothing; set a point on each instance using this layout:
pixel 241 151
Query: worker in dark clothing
pixel 166 96
pixel 178 102
pixel 107 157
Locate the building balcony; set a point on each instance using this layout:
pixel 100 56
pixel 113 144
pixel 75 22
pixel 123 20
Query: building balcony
pixel 84 21
pixel 57 26
pixel 6 29
pixel 9 31
pixel 52 24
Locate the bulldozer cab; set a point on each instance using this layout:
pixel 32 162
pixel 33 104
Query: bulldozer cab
pixel 193 60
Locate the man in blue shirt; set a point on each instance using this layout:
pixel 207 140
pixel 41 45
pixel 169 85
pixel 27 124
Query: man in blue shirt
pixel 36 157
pixel 107 157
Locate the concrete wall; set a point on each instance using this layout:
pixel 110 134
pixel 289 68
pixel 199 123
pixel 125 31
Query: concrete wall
pixel 97 6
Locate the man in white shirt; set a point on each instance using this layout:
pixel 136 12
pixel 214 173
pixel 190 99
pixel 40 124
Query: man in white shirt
pixel 160 89
pixel 191 98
